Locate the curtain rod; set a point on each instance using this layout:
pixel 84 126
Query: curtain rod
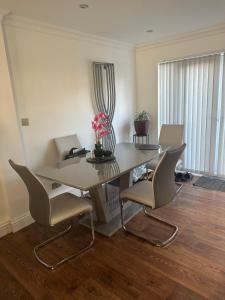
pixel 191 57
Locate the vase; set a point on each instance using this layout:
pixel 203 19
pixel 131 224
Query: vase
pixel 98 151
pixel 141 127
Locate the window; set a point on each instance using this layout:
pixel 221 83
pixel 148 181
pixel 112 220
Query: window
pixel 191 92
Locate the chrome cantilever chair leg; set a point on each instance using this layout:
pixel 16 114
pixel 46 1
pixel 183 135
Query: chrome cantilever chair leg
pixel 153 242
pixel 180 185
pixel 58 263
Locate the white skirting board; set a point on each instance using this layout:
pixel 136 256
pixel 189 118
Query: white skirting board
pixel 21 222
pixel 24 220
pixel 5 228
pixel 16 224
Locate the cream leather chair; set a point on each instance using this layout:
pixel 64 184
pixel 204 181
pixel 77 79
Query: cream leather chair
pixel 170 135
pixel 156 193
pixel 51 212
pixel 65 143
pixel 63 146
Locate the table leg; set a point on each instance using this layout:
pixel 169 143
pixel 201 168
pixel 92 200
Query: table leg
pixel 99 200
pixel 107 210
pixel 125 181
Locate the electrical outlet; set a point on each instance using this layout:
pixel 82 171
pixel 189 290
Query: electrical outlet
pixel 25 122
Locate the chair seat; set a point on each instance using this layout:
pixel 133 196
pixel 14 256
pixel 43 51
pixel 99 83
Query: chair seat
pixel 66 206
pixel 153 164
pixel 141 192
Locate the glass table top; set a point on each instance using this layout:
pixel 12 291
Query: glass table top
pixel 78 173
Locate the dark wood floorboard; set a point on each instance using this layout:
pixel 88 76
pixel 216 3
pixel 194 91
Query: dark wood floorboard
pixel 125 267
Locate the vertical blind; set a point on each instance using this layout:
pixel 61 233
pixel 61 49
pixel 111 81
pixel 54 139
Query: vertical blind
pixel 191 92
pixel 220 147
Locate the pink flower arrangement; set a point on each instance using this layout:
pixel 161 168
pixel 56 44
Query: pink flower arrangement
pixel 99 125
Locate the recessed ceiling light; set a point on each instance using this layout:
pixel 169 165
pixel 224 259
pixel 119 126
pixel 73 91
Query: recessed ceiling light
pixel 149 30
pixel 84 6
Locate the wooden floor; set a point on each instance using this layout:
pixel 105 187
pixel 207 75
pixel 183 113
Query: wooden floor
pixel 124 267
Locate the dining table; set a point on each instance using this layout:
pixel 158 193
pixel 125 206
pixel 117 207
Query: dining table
pixel 104 181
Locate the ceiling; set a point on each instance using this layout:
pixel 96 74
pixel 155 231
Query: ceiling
pixel 124 20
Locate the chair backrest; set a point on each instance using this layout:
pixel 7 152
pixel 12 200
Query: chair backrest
pixel 39 203
pixel 171 135
pixel 65 143
pixel 163 181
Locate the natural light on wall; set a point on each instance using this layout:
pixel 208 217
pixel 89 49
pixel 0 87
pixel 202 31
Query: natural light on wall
pixel 191 92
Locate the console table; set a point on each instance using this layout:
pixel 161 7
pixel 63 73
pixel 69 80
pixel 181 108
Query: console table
pixel 141 139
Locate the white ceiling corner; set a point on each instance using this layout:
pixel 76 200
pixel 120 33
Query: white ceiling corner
pixel 123 20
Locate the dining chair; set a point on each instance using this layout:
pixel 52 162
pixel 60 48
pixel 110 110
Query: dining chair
pixel 170 135
pixel 63 146
pixel 50 212
pixel 156 193
pixel 65 143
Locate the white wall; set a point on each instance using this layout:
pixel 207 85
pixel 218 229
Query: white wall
pixel 4 212
pixel 148 57
pixel 13 201
pixel 51 80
